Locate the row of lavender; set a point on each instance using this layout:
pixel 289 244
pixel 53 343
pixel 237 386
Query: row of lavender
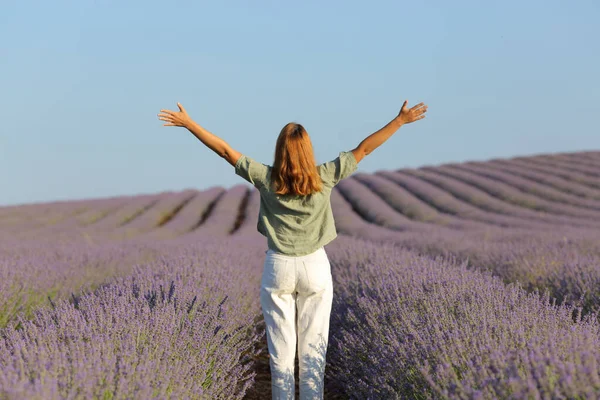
pixel 187 324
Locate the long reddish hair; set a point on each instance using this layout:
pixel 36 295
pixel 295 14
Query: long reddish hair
pixel 294 169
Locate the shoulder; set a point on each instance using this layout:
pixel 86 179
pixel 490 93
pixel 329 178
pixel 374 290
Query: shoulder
pixel 339 168
pixel 247 162
pixel 345 159
pixel 253 171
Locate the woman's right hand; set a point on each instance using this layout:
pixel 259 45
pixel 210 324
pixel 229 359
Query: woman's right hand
pixel 408 115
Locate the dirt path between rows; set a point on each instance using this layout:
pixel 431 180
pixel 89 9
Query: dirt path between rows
pixel 262 381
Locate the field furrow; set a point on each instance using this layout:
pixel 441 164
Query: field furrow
pixel 512 195
pixel 191 215
pixel 577 178
pixel 569 166
pixel 135 206
pixel 249 222
pixel 411 206
pixel 349 223
pixel 373 209
pixel 221 218
pixel 490 202
pixel 157 214
pixel 459 199
pixel 577 159
pixel 545 178
pixel 531 187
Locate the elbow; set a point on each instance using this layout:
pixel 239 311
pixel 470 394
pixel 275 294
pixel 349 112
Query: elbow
pixel 223 153
pixel 360 153
pixel 363 149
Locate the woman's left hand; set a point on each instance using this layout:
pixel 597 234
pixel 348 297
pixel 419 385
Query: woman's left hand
pixel 175 118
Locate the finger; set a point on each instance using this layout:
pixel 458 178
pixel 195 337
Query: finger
pixel 180 107
pixel 417 106
pixel 168 124
pixel 165 118
pixel 168 111
pixel 403 108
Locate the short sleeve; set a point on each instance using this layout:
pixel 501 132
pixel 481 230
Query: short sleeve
pixel 341 167
pixel 252 171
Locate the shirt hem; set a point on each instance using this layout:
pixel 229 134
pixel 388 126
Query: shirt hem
pixel 323 242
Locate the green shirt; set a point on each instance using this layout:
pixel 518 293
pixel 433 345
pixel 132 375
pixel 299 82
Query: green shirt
pixel 296 225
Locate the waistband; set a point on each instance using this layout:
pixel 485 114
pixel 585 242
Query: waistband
pixel 319 253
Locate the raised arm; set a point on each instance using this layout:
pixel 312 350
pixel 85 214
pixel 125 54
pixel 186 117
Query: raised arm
pixel 213 142
pixel 376 139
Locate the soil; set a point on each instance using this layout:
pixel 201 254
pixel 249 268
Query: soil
pixel 262 381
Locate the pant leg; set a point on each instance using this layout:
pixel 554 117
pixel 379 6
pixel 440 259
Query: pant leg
pixel 278 302
pixel 315 296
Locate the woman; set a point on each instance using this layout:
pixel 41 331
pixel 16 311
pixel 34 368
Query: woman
pixel 295 215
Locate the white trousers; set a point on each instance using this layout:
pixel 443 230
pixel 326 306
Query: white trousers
pixel 296 295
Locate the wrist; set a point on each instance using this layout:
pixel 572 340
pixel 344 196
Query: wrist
pixel 398 122
pixel 189 124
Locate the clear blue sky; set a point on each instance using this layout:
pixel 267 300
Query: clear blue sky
pixel 82 82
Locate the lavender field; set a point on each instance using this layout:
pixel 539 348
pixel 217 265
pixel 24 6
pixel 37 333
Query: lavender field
pixel 475 280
